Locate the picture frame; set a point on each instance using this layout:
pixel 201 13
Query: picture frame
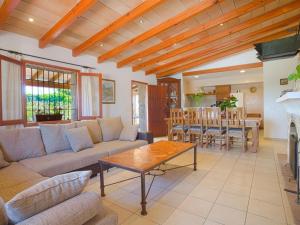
pixel 284 81
pixel 108 91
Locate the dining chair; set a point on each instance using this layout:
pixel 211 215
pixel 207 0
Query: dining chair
pixel 236 130
pixel 178 127
pixel 214 131
pixel 195 125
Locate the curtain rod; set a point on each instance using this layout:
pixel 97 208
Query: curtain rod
pixel 53 60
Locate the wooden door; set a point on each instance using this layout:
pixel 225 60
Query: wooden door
pixel 157 104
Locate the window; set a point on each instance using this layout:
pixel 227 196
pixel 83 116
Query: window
pixel 50 94
pixel 139 104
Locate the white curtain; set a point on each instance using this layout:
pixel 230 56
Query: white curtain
pixel 11 90
pixel 90 95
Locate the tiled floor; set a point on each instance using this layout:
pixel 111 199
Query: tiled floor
pixel 232 188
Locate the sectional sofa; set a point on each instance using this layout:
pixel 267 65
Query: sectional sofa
pixel 36 153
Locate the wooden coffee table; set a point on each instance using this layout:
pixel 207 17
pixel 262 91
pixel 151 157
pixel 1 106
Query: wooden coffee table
pixel 145 159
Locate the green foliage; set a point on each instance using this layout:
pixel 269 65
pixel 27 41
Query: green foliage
pixel 228 103
pixel 197 98
pixel 295 76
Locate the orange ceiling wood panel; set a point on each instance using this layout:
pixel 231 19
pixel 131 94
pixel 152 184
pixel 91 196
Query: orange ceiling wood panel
pixel 6 9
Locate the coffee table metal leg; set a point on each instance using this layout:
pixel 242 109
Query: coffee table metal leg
pixel 195 158
pixel 143 195
pixel 101 179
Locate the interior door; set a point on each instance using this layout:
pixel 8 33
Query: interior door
pixel 157 103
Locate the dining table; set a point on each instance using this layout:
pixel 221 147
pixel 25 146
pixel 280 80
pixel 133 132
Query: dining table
pixel 252 123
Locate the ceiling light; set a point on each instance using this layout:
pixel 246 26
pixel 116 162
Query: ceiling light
pixel 140 59
pixel 174 44
pixel 242 71
pixel 101 44
pixel 221 24
pixel 31 20
pixel 141 21
pixel 196 76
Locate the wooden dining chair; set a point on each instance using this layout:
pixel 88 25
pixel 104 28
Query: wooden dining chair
pixel 214 131
pixel 195 126
pixel 236 130
pixel 178 127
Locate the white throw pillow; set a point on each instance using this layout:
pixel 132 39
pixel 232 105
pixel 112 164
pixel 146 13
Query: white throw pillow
pixel 3 163
pixel 3 216
pixel 45 195
pixel 111 128
pixel 93 127
pixel 129 133
pixel 54 137
pixel 79 138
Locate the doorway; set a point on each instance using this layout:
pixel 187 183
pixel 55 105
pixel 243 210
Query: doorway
pixel 139 105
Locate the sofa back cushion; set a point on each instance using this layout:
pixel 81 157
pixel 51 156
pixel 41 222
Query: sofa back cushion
pixel 93 128
pixel 21 143
pixel 54 137
pixel 79 138
pixel 3 163
pixel 3 216
pixel 129 133
pixel 45 195
pixel 111 128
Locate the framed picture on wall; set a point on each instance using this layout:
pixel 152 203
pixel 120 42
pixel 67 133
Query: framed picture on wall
pixel 108 91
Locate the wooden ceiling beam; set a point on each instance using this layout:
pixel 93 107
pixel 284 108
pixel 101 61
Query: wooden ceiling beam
pixel 247 24
pixel 255 4
pixel 282 24
pixel 6 9
pixel 186 14
pixel 66 21
pixel 224 69
pixel 231 51
pixel 117 24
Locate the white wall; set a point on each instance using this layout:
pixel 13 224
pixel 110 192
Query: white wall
pixel 275 117
pixel 122 76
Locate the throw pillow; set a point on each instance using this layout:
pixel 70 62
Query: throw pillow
pixel 45 195
pixel 93 127
pixel 3 163
pixel 129 133
pixel 3 216
pixel 79 138
pixel 54 137
pixel 111 128
pixel 21 143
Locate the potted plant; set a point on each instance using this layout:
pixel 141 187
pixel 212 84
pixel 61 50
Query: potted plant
pixel 196 99
pixel 40 116
pixel 228 103
pixel 295 77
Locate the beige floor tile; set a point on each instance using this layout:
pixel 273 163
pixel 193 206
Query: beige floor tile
pixel 171 198
pixel 233 201
pixel 253 219
pixel 210 222
pixel 226 215
pixel 123 214
pixel 271 211
pixel 138 220
pixel 129 202
pixel 180 217
pixel 212 183
pixel 237 189
pixel 205 193
pixel 196 206
pixel 183 187
pixel 272 197
pixel 159 212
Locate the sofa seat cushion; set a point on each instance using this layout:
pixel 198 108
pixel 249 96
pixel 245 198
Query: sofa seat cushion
pixel 117 146
pixel 16 178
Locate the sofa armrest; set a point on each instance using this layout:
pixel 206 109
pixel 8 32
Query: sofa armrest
pixel 76 211
pixel 147 136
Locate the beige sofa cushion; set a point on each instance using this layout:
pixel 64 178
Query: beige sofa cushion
pixel 16 178
pixel 3 163
pixel 129 133
pixel 54 137
pixel 79 138
pixel 75 211
pixel 93 127
pixel 66 161
pixel 3 216
pixel 22 143
pixel 111 128
pixel 45 195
